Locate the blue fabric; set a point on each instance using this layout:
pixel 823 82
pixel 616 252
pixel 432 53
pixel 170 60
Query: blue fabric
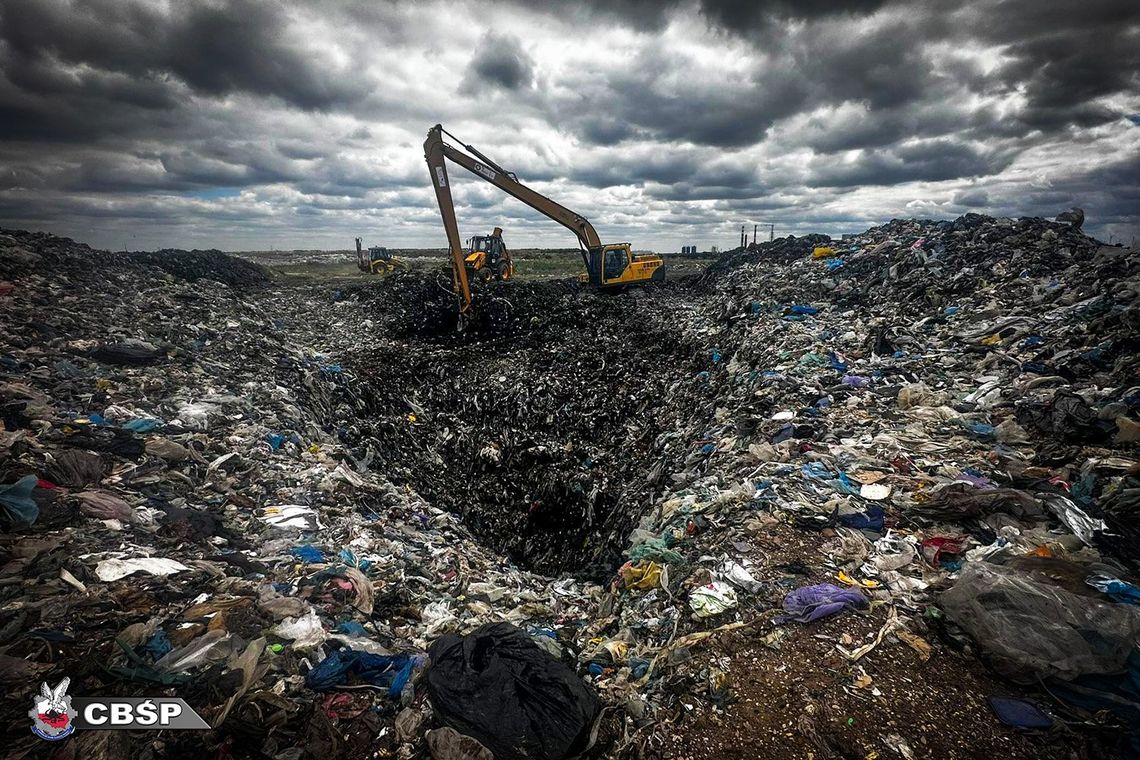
pixel 1019 713
pixel 351 627
pixel 783 433
pixel 981 429
pixel 871 520
pixel 307 553
pixel 142 425
pixel 802 309
pixel 347 557
pixel 816 470
pixel 157 645
pixel 1122 592
pixel 843 484
pixel 16 499
pixel 387 671
pixel 1118 694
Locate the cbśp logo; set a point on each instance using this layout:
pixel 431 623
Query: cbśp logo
pixel 52 716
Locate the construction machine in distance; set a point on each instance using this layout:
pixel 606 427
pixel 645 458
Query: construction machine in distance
pixel 376 259
pixel 607 265
pixel 488 257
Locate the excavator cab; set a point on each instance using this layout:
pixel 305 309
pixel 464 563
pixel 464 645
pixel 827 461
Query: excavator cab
pixel 488 258
pixel 616 265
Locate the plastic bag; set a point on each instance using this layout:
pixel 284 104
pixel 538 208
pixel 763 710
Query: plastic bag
pixel 306 632
pixel 712 599
pixel 17 503
pixel 1031 629
pixel 390 672
pixel 115 569
pixel 499 687
pixel 822 600
pixel 448 744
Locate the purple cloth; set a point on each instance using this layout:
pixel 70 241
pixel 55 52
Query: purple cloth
pixel 814 602
pixel 856 381
pixel 975 479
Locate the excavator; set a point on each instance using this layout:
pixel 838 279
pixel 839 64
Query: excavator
pixel 607 265
pixel 488 257
pixel 376 259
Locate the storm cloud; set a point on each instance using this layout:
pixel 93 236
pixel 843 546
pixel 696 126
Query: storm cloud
pixel 250 123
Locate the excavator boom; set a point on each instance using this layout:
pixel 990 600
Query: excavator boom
pixel 436 151
pixel 606 266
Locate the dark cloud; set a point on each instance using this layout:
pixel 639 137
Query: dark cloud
pixel 734 16
pixel 973 198
pixel 678 112
pixel 499 61
pixel 214 48
pixel 1061 57
pixel 924 161
pixel 743 17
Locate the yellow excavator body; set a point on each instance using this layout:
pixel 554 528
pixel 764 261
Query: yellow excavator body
pixel 616 265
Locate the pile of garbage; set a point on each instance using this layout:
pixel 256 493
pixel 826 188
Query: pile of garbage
pixel 772 508
pixel 180 517
pixel 952 409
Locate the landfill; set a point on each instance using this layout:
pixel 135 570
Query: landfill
pixel 868 497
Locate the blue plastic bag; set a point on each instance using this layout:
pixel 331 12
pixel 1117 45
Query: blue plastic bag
pixel 16 499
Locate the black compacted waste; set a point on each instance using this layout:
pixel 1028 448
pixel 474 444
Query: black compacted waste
pixel 501 688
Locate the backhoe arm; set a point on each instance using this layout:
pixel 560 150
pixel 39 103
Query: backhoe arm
pixel 433 152
pixel 436 150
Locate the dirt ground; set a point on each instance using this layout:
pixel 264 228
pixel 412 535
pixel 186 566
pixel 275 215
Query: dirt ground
pixel 791 696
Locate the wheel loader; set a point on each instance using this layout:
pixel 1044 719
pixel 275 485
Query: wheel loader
pixel 488 258
pixel 376 260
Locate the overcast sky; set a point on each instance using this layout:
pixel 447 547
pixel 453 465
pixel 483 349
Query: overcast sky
pixel 250 124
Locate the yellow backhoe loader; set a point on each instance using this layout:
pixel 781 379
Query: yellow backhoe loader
pixel 607 265
pixel 376 260
pixel 488 258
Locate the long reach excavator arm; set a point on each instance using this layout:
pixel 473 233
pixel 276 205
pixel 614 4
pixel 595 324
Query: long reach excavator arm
pixel 635 269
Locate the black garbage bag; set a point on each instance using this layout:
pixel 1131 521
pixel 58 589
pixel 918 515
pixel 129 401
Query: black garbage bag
pixel 501 688
pixel 73 468
pixel 127 354
pixel 1068 417
pixel 1031 629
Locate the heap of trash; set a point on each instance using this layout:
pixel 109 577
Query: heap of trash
pixel 867 497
